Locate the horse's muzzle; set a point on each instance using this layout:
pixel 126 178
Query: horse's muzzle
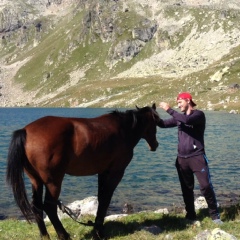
pixel 153 148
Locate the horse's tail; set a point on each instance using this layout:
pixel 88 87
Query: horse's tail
pixel 15 172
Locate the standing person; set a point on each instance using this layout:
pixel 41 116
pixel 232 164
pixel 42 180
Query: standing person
pixel 191 158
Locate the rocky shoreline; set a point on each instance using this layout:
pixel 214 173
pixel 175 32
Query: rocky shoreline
pixel 89 206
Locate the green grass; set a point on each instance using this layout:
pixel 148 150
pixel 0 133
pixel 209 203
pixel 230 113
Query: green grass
pixel 131 227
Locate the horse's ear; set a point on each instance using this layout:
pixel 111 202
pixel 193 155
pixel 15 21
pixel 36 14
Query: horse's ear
pixel 154 106
pixel 137 107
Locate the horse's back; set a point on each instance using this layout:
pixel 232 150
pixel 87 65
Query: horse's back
pixel 48 123
pixel 51 127
pixel 47 131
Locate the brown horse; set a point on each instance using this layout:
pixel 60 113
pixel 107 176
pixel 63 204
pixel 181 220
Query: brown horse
pixel 51 147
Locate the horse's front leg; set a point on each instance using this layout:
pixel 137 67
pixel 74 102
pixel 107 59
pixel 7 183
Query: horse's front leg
pixel 107 183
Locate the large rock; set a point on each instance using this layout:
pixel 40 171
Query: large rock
pixel 144 34
pixel 215 234
pixel 200 203
pixel 162 210
pixel 79 208
pixel 115 217
pixel 219 75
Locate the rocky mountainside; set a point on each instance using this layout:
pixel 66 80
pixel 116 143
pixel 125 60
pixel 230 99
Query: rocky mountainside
pixel 118 53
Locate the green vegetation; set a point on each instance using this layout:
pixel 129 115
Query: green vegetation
pixel 83 43
pixel 134 226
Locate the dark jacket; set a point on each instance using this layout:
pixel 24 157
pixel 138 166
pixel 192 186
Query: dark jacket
pixel 190 131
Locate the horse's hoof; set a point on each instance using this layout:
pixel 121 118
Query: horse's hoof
pixel 98 233
pixel 64 237
pixel 97 236
pixel 45 237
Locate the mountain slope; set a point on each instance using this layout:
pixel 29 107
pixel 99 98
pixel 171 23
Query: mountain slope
pixel 119 53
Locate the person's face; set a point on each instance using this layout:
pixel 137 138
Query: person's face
pixel 183 104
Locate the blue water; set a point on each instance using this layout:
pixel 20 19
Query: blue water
pixel 150 181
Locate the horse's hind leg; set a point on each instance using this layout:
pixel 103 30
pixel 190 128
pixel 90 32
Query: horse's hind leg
pixel 50 207
pixel 37 207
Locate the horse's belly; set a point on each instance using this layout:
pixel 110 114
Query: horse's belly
pixel 87 167
pixel 81 172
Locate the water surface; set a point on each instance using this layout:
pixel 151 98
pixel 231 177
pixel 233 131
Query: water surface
pixel 150 181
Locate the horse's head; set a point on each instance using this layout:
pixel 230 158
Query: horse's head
pixel 149 118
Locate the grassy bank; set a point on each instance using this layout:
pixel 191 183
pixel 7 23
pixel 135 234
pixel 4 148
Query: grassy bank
pixel 134 226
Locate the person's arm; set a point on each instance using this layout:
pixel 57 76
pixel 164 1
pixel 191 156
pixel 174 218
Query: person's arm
pixel 171 122
pixel 168 122
pixel 195 118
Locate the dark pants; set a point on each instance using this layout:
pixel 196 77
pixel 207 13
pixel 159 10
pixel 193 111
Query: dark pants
pixel 197 165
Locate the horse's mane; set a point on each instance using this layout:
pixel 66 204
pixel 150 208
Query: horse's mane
pixel 116 112
pixel 128 118
pixel 131 116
